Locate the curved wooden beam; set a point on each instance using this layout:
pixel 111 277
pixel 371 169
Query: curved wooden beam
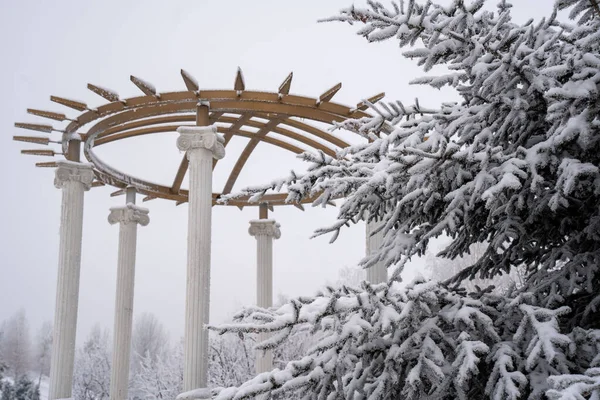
pixel 237 168
pixel 214 116
pixel 317 132
pixel 192 98
pixel 295 124
pixel 134 116
pixel 236 124
pixel 153 190
pixel 238 132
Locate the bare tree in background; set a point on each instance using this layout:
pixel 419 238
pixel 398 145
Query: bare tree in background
pixel 43 350
pixel 91 380
pixel 3 366
pixel 16 344
pixel 351 276
pixel 149 338
pixel 150 358
pixel 231 359
pixel 159 377
pixel 442 269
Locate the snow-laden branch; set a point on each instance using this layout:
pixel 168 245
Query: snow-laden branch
pixel 515 163
pixel 436 342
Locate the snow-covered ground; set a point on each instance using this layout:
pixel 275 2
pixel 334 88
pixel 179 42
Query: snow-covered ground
pixel 44 387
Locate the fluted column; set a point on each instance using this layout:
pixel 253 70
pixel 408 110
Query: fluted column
pixel 128 218
pixel 74 179
pixel 264 230
pixel 378 272
pixel 202 144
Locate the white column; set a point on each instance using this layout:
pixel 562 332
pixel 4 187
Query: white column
pixel 128 217
pixel 202 144
pixel 264 230
pixel 74 179
pixel 378 272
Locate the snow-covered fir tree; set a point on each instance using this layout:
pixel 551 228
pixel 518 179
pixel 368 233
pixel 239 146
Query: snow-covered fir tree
pixel 514 163
pixel 22 389
pixel 25 389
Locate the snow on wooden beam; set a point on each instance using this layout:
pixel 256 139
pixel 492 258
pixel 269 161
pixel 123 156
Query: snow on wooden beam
pixel 363 105
pixel 35 127
pixel 47 164
pixel 118 193
pixel 47 114
pixel 190 82
pixel 103 92
pixel 76 105
pixel 284 88
pixel 328 95
pixel 32 139
pixel 146 87
pixel 40 152
pixel 239 85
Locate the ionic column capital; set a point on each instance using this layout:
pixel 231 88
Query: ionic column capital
pixel 265 227
pixel 129 214
pixel 69 171
pixel 201 137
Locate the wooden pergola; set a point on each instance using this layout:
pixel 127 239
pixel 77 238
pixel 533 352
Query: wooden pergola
pixel 238 112
pixel 206 120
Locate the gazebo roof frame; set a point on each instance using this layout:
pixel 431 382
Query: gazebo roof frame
pixel 237 112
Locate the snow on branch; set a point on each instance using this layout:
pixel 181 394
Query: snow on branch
pixel 514 164
pixel 413 342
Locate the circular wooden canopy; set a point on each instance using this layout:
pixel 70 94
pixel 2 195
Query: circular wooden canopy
pixel 250 114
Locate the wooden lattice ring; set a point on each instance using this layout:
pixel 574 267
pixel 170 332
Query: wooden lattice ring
pixel 236 112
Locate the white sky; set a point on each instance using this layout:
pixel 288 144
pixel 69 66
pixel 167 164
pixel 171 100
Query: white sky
pixel 56 48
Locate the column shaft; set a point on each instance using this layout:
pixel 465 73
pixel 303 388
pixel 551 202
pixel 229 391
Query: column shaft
pixel 265 231
pixel 128 218
pixel 378 272
pixel 119 378
pixel 202 145
pixel 264 294
pixel 198 270
pixel 73 179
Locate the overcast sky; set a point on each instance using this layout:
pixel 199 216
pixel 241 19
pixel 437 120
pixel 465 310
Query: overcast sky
pixel 56 48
